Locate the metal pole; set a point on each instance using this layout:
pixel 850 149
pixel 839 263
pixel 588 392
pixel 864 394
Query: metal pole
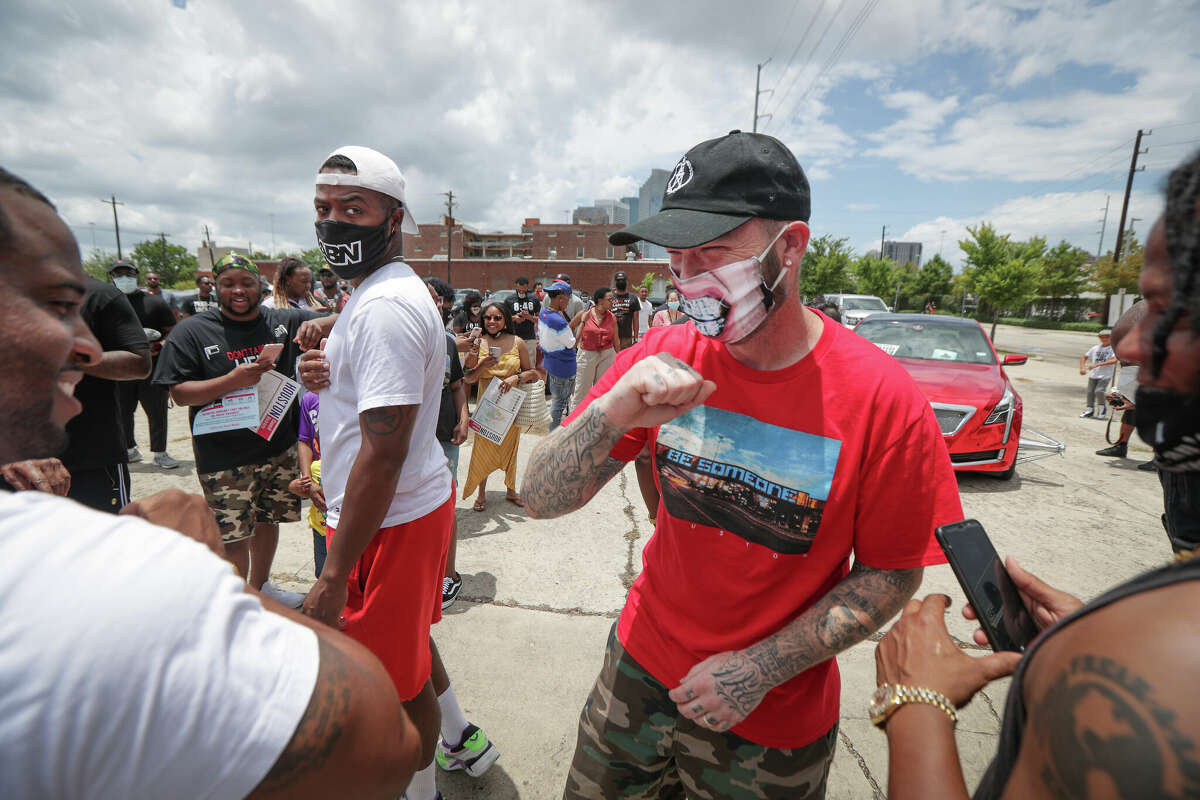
pixel 1137 144
pixel 1103 225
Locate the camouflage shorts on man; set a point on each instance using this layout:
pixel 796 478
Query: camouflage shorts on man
pixel 634 744
pixel 243 496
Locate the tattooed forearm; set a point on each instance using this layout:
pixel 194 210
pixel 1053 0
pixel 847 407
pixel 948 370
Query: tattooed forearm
pixel 851 611
pixel 571 465
pixel 321 727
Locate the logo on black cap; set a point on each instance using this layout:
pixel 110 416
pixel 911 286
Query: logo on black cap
pixel 681 176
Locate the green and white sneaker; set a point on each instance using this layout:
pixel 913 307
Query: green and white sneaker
pixel 474 756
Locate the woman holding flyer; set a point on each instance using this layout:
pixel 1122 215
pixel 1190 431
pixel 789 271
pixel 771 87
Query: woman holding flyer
pixel 503 358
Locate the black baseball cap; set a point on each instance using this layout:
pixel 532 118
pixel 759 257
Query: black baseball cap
pixel 116 265
pixel 721 184
pixel 562 276
pixel 620 274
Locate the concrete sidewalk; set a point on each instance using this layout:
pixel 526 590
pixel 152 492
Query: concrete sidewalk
pixel 524 641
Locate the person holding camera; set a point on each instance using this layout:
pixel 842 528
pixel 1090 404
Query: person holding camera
pixel 1126 387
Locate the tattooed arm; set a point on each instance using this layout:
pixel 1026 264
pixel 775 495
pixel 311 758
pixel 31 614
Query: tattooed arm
pixel 722 690
pixel 571 464
pixel 369 490
pixel 355 739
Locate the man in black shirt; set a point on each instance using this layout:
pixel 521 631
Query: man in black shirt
pixel 203 301
pixel 245 476
pixel 96 456
pixel 625 308
pixel 155 315
pixel 525 309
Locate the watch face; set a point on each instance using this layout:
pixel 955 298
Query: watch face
pixel 879 701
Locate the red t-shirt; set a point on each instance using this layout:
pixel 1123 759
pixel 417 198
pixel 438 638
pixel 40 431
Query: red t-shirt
pixel 767 489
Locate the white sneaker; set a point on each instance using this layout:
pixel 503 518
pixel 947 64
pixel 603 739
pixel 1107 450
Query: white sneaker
pixel 134 455
pixel 282 596
pixel 165 461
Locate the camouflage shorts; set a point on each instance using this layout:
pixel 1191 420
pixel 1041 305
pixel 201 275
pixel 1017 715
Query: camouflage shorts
pixel 243 496
pixel 633 744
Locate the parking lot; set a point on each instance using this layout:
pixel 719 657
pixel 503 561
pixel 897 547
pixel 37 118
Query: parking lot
pixel 524 642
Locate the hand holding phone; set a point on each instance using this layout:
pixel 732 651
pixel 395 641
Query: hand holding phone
pixel 994 597
pixel 270 352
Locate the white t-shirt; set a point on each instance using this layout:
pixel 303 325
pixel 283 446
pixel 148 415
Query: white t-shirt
pixel 387 348
pixel 1127 380
pixel 1095 355
pixel 644 317
pixel 134 663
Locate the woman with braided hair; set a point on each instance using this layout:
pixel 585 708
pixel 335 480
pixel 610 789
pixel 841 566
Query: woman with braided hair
pixel 1094 708
pixel 293 287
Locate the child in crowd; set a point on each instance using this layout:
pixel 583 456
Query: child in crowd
pixel 308 485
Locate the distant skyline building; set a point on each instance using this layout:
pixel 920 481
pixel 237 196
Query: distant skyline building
pixel 589 215
pixel 632 202
pixel 618 212
pixel 903 252
pixel 650 203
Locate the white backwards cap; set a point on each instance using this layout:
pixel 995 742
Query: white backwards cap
pixel 376 172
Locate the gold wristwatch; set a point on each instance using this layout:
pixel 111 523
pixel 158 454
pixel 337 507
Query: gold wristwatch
pixel 887 698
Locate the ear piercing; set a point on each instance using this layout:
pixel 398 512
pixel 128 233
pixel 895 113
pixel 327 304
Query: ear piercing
pixel 787 262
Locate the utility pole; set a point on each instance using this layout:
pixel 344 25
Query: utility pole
pixel 208 242
pixel 449 232
pixel 1103 225
pixel 882 236
pixel 1133 167
pixel 162 249
pixel 758 93
pixel 112 201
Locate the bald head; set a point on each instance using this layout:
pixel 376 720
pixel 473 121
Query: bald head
pixel 1128 320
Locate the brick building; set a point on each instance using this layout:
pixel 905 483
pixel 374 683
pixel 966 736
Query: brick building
pixel 490 274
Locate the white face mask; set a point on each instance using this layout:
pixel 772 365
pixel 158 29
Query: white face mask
pixel 729 303
pixel 126 283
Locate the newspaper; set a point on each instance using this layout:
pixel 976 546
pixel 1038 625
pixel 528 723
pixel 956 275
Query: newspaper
pixel 495 413
pixel 236 410
pixel 276 392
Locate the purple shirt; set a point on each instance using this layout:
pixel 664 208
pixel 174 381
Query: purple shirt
pixel 309 432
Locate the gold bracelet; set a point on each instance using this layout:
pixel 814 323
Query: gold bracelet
pixel 888 698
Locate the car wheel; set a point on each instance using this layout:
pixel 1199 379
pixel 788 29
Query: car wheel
pixel 1007 475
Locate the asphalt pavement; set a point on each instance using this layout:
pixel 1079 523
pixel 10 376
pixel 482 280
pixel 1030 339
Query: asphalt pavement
pixel 524 642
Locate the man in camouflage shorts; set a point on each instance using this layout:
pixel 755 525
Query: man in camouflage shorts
pixel 222 353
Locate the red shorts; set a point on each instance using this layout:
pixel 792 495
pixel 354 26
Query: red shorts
pixel 394 594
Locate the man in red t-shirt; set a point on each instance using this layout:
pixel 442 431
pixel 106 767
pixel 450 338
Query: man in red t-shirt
pixel 783 444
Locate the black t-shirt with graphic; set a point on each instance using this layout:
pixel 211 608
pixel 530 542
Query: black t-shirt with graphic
pixel 195 305
pixel 625 308
pixel 526 302
pixel 210 345
pixel 96 437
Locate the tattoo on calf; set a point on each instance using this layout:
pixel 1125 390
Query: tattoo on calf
pixel 320 728
pixel 566 470
pixel 1103 726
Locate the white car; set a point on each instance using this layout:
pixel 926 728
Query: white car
pixel 854 308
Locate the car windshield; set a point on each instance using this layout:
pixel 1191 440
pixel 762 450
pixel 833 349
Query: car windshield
pixel 964 344
pixel 863 304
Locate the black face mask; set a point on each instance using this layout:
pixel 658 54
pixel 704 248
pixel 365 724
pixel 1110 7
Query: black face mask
pixel 352 250
pixel 1170 423
pixel 620 285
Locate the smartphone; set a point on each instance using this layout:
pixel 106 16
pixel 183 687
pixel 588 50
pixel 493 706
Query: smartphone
pixel 987 585
pixel 495 351
pixel 270 352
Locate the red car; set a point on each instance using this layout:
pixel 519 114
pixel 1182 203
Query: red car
pixel 956 366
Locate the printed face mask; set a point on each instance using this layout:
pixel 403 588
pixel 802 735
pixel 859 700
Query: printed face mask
pixel 126 283
pixel 352 250
pixel 1169 422
pixel 729 303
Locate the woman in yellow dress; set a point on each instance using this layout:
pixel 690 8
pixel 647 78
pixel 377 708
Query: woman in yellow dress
pixel 502 357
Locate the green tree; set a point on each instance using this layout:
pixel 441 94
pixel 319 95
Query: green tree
pixel 97 262
pixel 1108 277
pixel 825 268
pixel 934 279
pixel 1063 273
pixel 1009 284
pixel 647 281
pixel 984 251
pixel 875 276
pixel 176 267
pixel 313 257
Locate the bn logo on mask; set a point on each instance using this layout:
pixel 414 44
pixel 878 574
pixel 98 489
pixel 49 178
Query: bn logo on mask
pixel 342 254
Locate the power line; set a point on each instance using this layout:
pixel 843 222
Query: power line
pixel 1176 125
pixel 863 15
pixel 116 226
pixel 783 31
pixel 807 61
pixel 796 49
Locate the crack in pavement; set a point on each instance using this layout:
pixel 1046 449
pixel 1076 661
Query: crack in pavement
pixel 631 537
pixel 575 611
pixel 991 706
pixel 876 792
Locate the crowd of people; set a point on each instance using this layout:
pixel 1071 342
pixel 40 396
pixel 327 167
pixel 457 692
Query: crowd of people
pixel 224 685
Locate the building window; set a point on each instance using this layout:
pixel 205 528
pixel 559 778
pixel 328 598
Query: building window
pixel 552 234
pixel 609 253
pixel 579 252
pixel 418 249
pixel 579 233
pixel 442 234
pixel 442 248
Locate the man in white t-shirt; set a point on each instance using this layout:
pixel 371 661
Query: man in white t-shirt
pixel 135 662
pixel 387 488
pixel 644 311
pixel 1100 360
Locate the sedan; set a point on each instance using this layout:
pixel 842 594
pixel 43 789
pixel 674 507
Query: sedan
pixel 956 366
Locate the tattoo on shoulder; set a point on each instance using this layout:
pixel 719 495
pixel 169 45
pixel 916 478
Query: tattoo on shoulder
pixel 568 469
pixel 1103 725
pixel 320 728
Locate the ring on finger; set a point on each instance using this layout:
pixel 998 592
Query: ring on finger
pixel 711 721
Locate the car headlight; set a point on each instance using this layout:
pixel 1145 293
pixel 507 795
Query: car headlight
pixel 1003 410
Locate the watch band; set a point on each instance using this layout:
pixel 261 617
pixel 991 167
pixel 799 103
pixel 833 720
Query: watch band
pixel 898 695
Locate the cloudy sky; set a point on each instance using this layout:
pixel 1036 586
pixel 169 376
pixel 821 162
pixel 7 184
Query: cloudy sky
pixel 924 116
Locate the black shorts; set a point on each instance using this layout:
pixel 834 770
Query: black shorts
pixel 1129 417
